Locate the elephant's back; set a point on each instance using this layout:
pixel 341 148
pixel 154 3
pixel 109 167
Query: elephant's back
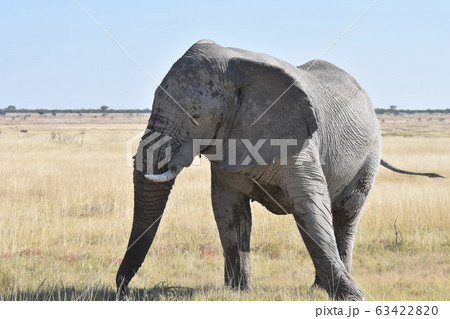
pixel 324 79
pixel 337 98
pixel 348 128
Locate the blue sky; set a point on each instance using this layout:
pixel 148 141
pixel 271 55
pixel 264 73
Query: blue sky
pixel 53 56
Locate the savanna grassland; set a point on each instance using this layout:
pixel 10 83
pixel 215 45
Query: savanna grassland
pixel 66 210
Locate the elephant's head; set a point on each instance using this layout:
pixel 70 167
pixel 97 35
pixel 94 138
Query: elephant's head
pixel 215 93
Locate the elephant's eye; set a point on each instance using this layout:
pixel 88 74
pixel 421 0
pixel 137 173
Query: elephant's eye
pixel 195 116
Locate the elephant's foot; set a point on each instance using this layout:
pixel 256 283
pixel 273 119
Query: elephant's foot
pixel 346 290
pixel 318 284
pixel 342 292
pixel 122 286
pixel 240 283
pixel 349 296
pixel 238 272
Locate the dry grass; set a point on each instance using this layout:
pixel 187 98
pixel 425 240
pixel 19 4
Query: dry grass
pixel 66 211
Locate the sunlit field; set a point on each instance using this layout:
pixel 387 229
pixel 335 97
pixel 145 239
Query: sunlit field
pixel 66 209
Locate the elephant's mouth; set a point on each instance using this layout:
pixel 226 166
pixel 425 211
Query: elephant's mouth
pixel 166 176
pixel 183 158
pixel 172 167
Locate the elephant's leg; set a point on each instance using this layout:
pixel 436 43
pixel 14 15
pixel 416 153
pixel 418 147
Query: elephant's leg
pixel 234 221
pixel 345 225
pixel 347 209
pixel 306 188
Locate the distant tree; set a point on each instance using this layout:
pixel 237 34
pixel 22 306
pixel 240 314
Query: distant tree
pixel 104 108
pixel 11 108
pixel 393 107
pixel 53 113
pixel 380 111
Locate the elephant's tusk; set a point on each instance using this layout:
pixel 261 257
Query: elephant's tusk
pixel 164 177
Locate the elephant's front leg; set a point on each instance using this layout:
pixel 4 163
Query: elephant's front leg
pixel 307 190
pixel 234 220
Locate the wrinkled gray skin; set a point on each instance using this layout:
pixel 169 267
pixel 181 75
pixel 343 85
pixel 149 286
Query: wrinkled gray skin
pixel 323 186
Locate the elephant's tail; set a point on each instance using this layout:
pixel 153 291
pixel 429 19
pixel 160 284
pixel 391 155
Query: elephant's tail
pixel 402 171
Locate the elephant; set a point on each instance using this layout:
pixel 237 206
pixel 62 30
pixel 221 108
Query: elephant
pixel 319 167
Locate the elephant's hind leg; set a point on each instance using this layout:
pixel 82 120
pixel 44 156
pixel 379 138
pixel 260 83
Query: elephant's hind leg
pixel 307 190
pixel 234 221
pixel 347 209
pixel 348 206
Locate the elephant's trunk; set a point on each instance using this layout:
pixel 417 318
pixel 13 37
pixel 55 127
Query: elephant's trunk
pixel 149 202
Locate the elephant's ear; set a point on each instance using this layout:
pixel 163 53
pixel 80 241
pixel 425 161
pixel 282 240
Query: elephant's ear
pixel 271 109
